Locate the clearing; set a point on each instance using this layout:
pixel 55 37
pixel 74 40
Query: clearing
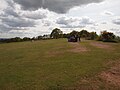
pixel 60 65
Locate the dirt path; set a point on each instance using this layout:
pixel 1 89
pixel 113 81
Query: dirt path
pixel 77 48
pixel 105 80
pixel 112 76
pixel 102 45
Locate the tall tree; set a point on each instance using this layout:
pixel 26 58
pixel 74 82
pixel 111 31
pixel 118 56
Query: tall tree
pixel 84 33
pixel 73 33
pixel 56 33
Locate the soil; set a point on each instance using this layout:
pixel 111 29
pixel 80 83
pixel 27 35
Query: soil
pixel 112 76
pixel 105 80
pixel 76 47
pixel 101 45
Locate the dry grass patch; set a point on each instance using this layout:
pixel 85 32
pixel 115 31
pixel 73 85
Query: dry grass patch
pixel 105 80
pixel 102 45
pixel 112 76
pixel 53 53
pixel 77 48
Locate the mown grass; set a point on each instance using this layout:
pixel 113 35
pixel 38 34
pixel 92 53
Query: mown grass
pixel 49 65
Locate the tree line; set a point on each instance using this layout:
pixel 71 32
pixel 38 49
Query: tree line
pixel 57 33
pixel 104 35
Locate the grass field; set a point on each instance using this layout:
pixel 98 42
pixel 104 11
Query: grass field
pixel 57 65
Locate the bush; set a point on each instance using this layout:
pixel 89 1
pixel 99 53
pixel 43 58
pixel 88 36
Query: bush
pixel 108 37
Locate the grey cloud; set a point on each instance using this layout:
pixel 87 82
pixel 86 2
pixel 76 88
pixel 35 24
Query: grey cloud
pixel 10 11
pixel 10 19
pixel 107 13
pixel 18 22
pixel 38 14
pixel 35 16
pixel 10 3
pixel 65 20
pixel 4 28
pixel 86 21
pixel 116 21
pixel 70 22
pixel 59 6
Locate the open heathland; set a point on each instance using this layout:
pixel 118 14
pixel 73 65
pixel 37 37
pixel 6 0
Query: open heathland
pixel 60 65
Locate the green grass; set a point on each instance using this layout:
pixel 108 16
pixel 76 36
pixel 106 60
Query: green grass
pixel 49 65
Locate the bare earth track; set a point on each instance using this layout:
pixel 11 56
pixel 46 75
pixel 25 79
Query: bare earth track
pixel 77 48
pixel 105 80
pixel 102 45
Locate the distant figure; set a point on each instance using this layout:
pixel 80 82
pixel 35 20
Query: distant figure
pixel 32 40
pixel 76 38
pixel 79 38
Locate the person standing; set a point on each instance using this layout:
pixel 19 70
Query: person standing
pixel 79 38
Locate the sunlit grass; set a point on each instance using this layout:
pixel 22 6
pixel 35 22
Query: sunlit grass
pixel 49 64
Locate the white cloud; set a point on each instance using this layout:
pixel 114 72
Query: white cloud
pixel 32 22
pixel 104 22
pixel 3 4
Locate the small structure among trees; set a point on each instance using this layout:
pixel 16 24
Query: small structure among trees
pixel 74 37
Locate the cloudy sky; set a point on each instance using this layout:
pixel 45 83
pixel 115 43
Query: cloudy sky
pixel 37 17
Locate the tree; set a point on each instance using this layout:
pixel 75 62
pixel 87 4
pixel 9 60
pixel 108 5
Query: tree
pixel 56 33
pixel 93 35
pixel 40 37
pixel 26 39
pixel 106 36
pixel 66 35
pixel 16 39
pixel 74 33
pixel 84 33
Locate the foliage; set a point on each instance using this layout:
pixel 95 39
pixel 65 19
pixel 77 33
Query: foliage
pixel 40 37
pixel 56 33
pixel 66 35
pixel 26 39
pixel 74 33
pixel 84 33
pixel 108 37
pixel 92 36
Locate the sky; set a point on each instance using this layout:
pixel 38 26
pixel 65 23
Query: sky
pixel 31 18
